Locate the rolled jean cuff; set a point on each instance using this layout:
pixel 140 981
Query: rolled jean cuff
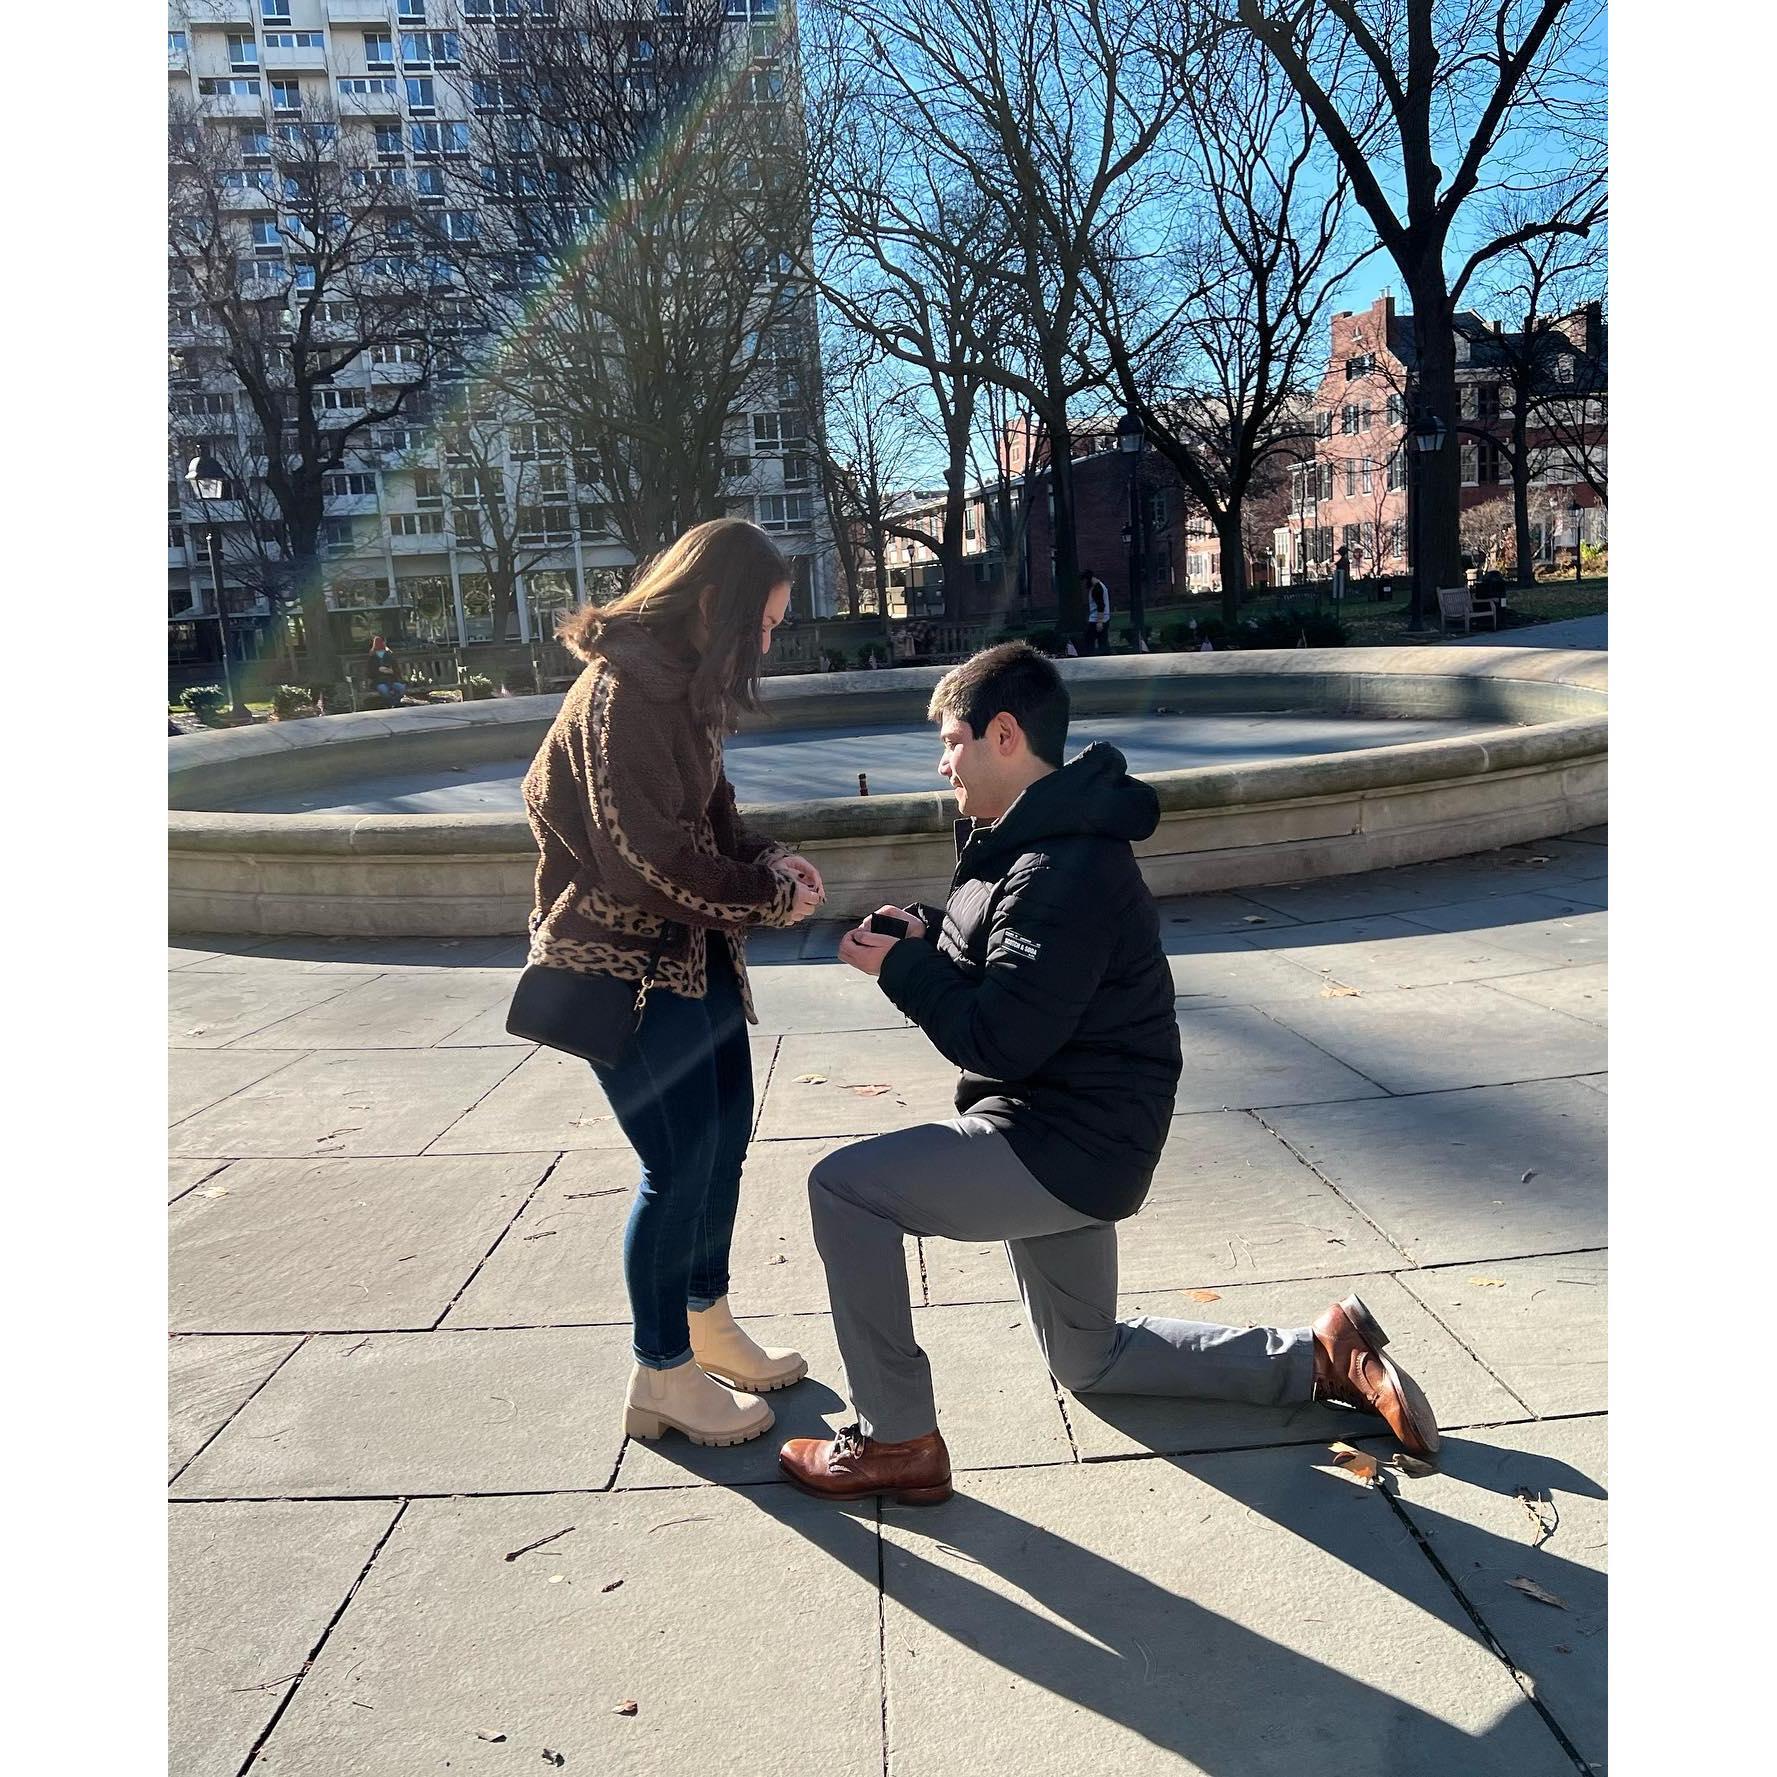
pixel 663 1363
pixel 697 1304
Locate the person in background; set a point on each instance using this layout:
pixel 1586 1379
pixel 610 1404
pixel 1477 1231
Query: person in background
pixel 1098 614
pixel 385 673
pixel 646 870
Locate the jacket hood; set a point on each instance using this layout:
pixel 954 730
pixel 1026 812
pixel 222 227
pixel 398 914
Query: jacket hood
pixel 1093 794
pixel 644 659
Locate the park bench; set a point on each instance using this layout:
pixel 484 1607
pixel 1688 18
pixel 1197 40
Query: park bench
pixel 440 668
pixel 1458 603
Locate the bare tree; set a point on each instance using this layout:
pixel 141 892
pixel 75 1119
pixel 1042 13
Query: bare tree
pixel 295 271
pixel 628 218
pixel 1437 111
pixel 1047 114
pixel 1214 334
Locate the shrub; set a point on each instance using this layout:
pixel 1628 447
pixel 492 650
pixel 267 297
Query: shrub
pixel 476 686
pixel 204 700
pixel 873 651
pixel 519 681
pixel 1293 629
pixel 291 701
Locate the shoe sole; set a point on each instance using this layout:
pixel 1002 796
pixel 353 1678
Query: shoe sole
pixel 899 1496
pixel 648 1426
pixel 754 1385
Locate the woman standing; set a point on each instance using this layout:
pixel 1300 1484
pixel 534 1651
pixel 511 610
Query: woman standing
pixel 646 869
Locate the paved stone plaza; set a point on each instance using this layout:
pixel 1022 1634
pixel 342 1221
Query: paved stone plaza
pixel 399 1348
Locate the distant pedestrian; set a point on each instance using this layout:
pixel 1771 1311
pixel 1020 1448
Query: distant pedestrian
pixel 385 673
pixel 1098 614
pixel 1341 574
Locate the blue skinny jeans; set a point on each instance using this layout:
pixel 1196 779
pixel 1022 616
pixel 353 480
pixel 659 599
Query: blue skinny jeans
pixel 684 1098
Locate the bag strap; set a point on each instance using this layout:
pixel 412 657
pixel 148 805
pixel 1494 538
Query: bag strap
pixel 667 929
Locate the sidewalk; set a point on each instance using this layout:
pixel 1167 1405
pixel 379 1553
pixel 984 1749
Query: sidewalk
pixel 408 1534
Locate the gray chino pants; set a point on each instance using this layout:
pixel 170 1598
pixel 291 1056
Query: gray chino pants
pixel 960 1180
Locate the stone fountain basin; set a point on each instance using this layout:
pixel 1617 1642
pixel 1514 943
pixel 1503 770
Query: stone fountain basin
pixel 1535 768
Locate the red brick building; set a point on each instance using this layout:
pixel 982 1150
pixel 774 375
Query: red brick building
pixel 1353 494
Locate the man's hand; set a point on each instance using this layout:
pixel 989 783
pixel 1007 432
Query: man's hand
pixel 865 950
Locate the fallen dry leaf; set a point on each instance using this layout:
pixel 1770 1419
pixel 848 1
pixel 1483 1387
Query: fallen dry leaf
pixel 495 1738
pixel 811 1079
pixel 1528 1176
pixel 1337 990
pixel 869 1091
pixel 1531 1589
pixel 1254 919
pixel 214 1191
pixel 1488 1283
pixel 1359 1464
pixel 553 1758
pixel 627 1707
pixel 1204 1295
pixel 610 1585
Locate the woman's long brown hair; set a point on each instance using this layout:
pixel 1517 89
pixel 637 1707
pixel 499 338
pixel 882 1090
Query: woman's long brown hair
pixel 728 557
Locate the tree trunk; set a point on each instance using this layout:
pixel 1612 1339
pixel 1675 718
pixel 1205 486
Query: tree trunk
pixel 1438 522
pixel 320 646
pixel 1521 544
pixel 1070 596
pixel 1229 531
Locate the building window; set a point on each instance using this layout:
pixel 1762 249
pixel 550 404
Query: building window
pixel 1351 539
pixel 1323 425
pixel 275 12
pixel 416 524
pixel 1361 365
pixel 228 89
pixel 1397 539
pixel 422 95
pixel 1363 475
pixel 428 489
pixel 176 44
pixel 545 524
pixel 294 40
pixel 781 512
pixel 411 12
pixel 1487 401
pixel 338 400
pixel 1397 471
pixel 799 472
pixel 1350 419
pixel 430 49
pixel 265 235
pixel 1487 462
pixel 1470 476
pixel 1564 369
pixel 359 87
pixel 1397 411
pixel 775 432
pixel 243 53
pixel 1350 477
pixel 395 354
pixel 440 138
pixel 349 487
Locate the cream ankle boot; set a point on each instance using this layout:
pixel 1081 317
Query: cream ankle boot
pixel 689 1401
pixel 720 1347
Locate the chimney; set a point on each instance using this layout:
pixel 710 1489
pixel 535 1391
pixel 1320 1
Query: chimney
pixel 1594 339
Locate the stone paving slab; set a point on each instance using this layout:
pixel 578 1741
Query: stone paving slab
pixel 336 1245
pixel 1443 1174
pixel 353 1102
pixel 1581 992
pixel 1556 940
pixel 1237 1058
pixel 1537 1324
pixel 563 1263
pixel 187 1175
pixel 1598 1082
pixel 1377 892
pixel 487 1029
pixel 1241 1614
pixel 810 997
pixel 1385 951
pixel 1229 1203
pixel 1222 971
pixel 428 1413
pixel 922 1082
pixel 406 1011
pixel 1428 1039
pixel 251 1589
pixel 1460 1390
pixel 1188 916
pixel 364 955
pixel 744 1631
pixel 1480 1530
pixel 207 1380
pixel 199 1078
pixel 211 1011
pixel 547 1102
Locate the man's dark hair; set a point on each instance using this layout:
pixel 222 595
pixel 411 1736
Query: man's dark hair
pixel 1013 678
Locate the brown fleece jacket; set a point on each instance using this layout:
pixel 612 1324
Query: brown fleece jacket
pixel 637 825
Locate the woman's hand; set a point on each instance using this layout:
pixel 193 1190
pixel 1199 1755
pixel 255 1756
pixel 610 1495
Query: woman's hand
pixel 800 868
pixel 807 901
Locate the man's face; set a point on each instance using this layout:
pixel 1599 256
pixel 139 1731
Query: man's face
pixel 975 768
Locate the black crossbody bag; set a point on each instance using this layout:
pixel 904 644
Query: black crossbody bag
pixel 593 1017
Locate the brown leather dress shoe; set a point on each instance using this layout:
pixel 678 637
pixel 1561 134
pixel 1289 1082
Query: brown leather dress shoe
pixel 1349 1366
pixel 852 1466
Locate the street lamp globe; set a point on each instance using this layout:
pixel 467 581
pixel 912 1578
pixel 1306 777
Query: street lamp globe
pixel 1130 436
pixel 1428 433
pixel 206 477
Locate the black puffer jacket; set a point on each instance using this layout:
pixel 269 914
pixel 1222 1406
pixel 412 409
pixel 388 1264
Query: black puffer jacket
pixel 1047 985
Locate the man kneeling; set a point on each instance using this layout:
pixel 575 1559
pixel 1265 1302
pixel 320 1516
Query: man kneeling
pixel 1044 980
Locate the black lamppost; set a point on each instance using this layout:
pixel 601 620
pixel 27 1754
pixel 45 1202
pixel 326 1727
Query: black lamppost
pixel 1576 512
pixel 1428 433
pixel 1130 440
pixel 207 480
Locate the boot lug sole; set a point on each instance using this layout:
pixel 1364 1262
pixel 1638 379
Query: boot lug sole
pixel 753 1385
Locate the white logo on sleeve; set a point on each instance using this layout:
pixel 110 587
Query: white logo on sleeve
pixel 1019 945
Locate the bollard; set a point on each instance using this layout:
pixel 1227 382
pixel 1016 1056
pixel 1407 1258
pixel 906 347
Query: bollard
pixel 863 784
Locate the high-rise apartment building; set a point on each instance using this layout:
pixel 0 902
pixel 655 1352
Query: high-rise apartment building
pixel 406 545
